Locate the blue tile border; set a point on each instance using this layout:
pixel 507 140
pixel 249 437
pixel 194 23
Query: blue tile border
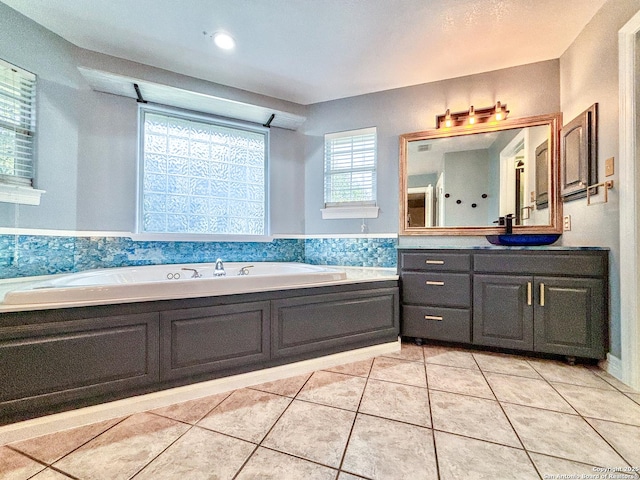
pixel 30 255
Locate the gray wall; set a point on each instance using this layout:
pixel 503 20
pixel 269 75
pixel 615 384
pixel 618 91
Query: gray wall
pixel 87 141
pixel 589 74
pixel 528 90
pixel 33 48
pixel 466 178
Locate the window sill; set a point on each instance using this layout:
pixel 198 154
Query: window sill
pixel 197 237
pixel 21 195
pixel 334 213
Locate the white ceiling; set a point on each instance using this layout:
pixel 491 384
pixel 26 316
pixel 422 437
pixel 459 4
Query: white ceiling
pixel 309 51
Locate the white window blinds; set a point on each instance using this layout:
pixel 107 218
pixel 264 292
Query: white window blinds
pixel 17 124
pixel 350 168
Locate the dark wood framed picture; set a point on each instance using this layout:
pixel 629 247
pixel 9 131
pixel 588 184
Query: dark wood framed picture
pixel 579 155
pixel 542 175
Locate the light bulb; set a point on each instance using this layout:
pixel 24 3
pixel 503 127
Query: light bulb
pixel 224 41
pixel 447 118
pixel 472 115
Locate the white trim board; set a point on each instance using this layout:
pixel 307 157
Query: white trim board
pixel 149 237
pixel 628 185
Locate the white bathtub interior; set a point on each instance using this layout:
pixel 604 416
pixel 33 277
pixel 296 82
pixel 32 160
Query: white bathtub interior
pixel 128 284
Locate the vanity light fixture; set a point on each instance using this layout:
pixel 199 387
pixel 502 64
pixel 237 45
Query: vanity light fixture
pixel 473 116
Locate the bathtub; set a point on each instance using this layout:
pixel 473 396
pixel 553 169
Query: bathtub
pixel 135 284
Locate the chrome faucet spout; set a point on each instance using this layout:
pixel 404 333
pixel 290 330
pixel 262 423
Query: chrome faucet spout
pixel 245 270
pixel 218 270
pixel 195 274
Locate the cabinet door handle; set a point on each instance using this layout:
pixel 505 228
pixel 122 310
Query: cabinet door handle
pixel 434 262
pixel 528 293
pixel 433 317
pixel 542 294
pixel 431 282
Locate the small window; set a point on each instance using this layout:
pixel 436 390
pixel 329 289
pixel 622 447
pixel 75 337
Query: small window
pixel 350 168
pixel 17 125
pixel 200 175
pixel 350 171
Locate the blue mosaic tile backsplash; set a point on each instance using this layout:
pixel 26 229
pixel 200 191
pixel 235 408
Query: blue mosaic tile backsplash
pixel 28 255
pixel 351 252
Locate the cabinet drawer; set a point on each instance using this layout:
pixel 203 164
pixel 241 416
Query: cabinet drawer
pixel 583 265
pixel 449 324
pixel 434 261
pixel 437 289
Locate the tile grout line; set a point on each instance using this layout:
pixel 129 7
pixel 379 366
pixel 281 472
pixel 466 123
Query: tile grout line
pixel 584 419
pixel 259 444
pixel 508 419
pixel 355 417
pixel 433 428
pixel 52 465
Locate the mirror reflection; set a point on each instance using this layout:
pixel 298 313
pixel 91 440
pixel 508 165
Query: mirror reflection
pixel 471 180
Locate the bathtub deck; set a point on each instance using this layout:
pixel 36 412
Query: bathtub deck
pixel 354 275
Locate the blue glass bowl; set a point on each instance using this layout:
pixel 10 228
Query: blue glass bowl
pixel 524 240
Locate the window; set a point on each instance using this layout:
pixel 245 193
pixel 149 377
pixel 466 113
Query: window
pixel 350 171
pixel 17 125
pixel 201 176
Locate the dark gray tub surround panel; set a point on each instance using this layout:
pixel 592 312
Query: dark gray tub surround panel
pixel 61 359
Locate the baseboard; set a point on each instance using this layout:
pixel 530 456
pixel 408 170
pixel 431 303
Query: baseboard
pixel 612 365
pixel 83 416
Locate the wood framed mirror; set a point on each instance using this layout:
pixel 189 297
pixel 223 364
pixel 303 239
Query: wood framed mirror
pixel 460 180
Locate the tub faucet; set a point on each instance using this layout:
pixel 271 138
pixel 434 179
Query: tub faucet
pixel 218 270
pixel 195 274
pixel 245 270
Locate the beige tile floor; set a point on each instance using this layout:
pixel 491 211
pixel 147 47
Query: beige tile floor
pixel 425 413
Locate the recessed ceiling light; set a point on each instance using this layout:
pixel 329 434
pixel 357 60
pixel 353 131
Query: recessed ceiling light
pixel 224 40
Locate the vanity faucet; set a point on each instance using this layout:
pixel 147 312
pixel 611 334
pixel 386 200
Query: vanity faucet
pixel 218 270
pixel 507 223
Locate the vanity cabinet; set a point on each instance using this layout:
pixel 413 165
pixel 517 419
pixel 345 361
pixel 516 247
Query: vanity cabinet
pixel 549 301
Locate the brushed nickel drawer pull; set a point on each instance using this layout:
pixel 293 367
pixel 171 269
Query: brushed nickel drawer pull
pixel 431 282
pixel 528 293
pixel 434 262
pixel 433 317
pixel 542 294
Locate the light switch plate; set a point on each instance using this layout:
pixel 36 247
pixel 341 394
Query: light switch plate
pixel 566 223
pixel 608 167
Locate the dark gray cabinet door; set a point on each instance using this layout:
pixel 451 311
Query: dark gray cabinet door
pixel 53 363
pixel 503 311
pixel 569 316
pixel 203 340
